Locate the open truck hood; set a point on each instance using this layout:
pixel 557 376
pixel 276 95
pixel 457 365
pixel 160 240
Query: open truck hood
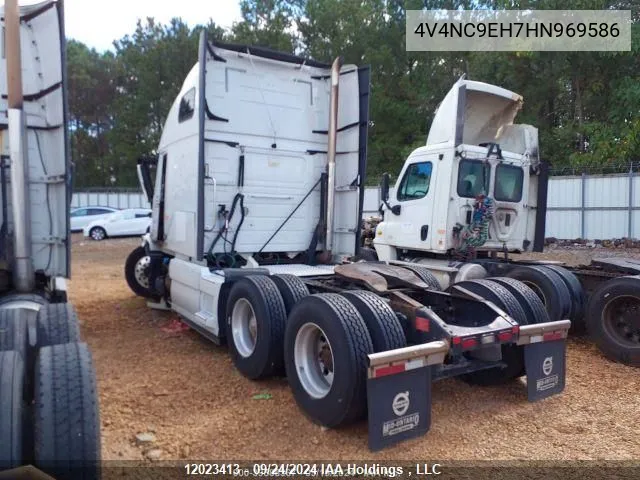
pixel 42 45
pixel 473 113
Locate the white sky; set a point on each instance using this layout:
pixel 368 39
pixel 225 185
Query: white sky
pixel 98 23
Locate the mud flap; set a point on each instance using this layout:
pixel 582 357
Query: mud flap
pixel 545 358
pixel 399 393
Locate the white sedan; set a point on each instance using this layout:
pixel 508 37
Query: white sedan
pixel 129 222
pixel 83 216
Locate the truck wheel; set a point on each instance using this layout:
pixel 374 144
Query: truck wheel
pixel 548 286
pixel 326 347
pixel 496 293
pixel 367 254
pixel 613 319
pixel 425 275
pixel 57 324
pixel 577 295
pixel 29 301
pixel 512 355
pixel 528 300
pixel 67 424
pixel 256 316
pixel 381 321
pixel 136 272
pixel 291 288
pixel 11 409
pixel 13 332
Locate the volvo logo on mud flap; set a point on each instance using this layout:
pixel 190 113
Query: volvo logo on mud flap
pixel 399 406
pixel 400 403
pixel 547 365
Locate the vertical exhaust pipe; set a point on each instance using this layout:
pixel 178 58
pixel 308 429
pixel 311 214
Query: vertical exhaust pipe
pixel 331 153
pixel 23 275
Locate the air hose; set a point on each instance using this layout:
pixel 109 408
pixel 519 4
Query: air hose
pixel 477 232
pixel 224 229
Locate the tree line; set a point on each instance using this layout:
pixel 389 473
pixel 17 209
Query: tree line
pixel 585 104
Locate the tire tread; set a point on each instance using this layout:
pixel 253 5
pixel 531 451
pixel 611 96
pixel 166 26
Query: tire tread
pixel 67 425
pixel 378 316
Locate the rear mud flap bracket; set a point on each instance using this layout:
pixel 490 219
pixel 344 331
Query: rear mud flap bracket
pixel 399 393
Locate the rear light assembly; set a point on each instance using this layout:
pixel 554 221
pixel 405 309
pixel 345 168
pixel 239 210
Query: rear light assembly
pixel 469 343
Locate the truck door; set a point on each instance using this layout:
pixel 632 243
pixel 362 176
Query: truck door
pixel 414 192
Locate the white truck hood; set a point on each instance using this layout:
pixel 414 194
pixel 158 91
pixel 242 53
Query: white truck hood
pixel 473 113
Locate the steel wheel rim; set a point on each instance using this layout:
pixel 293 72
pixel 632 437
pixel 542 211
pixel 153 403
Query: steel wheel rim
pixel 97 234
pixel 141 271
pixel 314 360
pixel 620 319
pixel 244 327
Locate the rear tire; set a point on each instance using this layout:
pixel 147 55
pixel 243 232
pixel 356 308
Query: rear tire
pixel 577 295
pixel 256 318
pixel 291 288
pixel 425 275
pixel 381 321
pixel 136 272
pixel 549 287
pixel 367 254
pixel 326 331
pixel 67 423
pixel 12 376
pixel 57 324
pixel 612 319
pixel 512 355
pixel 527 298
pixel 14 333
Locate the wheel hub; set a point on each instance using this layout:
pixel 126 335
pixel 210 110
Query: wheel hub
pixel 97 234
pixel 244 327
pixel 621 318
pixel 313 358
pixel 141 271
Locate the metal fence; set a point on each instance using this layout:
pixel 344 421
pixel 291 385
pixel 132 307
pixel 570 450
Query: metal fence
pixel 122 198
pixel 578 206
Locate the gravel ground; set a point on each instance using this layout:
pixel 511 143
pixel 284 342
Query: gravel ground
pixel 186 392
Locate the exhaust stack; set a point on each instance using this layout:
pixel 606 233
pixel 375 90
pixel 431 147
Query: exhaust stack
pixel 23 275
pixel 331 153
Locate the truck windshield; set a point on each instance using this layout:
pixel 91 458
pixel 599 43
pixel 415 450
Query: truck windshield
pixel 473 178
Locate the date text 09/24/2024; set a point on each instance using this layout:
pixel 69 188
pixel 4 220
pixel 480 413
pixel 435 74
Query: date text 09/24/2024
pixel 310 469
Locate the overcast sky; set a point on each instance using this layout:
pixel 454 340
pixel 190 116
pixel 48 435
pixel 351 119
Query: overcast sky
pixel 98 23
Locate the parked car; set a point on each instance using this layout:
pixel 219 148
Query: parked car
pixel 83 216
pixel 129 222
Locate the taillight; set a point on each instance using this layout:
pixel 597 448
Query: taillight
pixel 505 336
pixel 552 336
pixel 422 324
pixel 469 343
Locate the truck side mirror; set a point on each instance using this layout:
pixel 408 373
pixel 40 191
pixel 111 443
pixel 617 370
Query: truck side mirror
pixel 384 187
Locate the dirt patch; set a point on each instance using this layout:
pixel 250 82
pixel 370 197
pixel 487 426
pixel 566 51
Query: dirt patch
pixel 186 392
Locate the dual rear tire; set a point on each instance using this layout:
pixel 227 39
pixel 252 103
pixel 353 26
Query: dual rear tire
pixel 320 342
pixel 48 399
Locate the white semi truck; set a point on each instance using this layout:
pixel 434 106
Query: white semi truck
pixel 476 192
pixel 255 242
pixel 49 414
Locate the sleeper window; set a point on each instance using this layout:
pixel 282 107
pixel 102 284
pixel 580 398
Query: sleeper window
pixel 187 106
